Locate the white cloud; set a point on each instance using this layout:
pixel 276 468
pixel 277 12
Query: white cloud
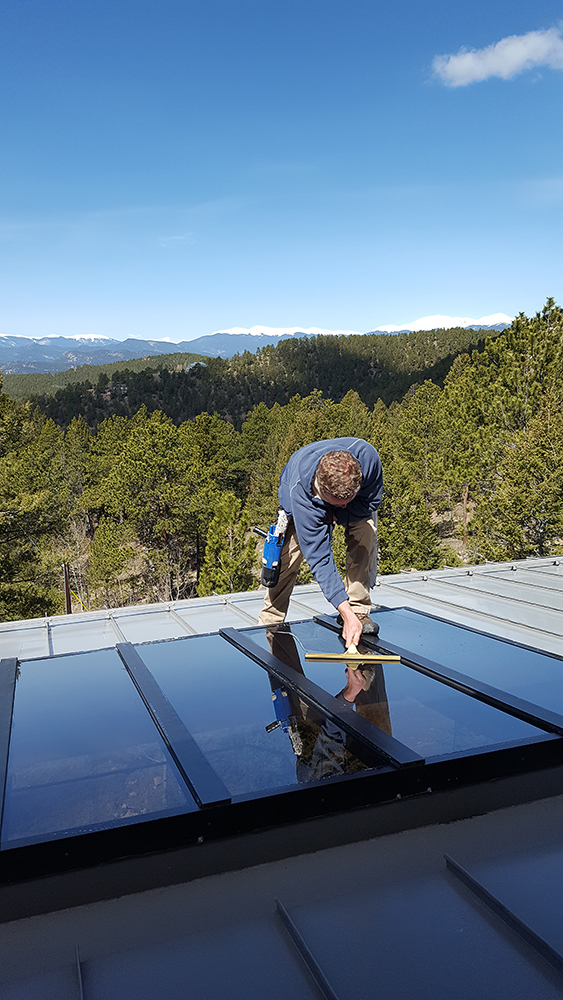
pixel 174 241
pixel 542 191
pixel 505 59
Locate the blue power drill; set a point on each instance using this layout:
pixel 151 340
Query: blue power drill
pixel 285 720
pixel 273 544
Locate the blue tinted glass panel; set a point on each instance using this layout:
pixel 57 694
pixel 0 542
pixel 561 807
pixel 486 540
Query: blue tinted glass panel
pixel 225 700
pixel 84 752
pixel 427 716
pixel 531 675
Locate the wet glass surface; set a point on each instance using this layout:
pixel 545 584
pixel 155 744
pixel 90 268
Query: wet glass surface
pixel 531 675
pixel 84 752
pixel 225 700
pixel 422 713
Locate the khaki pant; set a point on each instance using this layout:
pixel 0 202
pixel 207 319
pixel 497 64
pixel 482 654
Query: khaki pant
pixel 361 569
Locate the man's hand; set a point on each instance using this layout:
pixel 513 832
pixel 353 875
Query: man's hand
pixel 352 626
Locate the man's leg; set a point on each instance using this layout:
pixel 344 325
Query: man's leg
pixel 361 563
pixel 276 601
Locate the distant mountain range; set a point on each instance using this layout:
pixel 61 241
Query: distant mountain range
pixel 19 355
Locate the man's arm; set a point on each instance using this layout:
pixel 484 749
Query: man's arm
pixel 314 532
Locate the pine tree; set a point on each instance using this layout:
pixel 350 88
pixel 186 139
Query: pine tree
pixel 30 517
pixel 159 488
pixel 109 557
pixel 523 514
pixel 407 537
pixel 419 437
pixel 230 555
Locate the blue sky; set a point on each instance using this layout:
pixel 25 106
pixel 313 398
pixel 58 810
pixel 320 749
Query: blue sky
pixel 174 168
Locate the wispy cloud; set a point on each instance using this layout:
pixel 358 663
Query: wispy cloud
pixel 174 241
pixel 542 192
pixel 505 59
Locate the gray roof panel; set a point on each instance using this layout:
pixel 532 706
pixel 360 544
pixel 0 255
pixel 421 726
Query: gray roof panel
pixel 522 600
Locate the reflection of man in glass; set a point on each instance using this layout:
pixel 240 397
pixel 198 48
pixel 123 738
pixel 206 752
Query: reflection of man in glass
pixel 318 743
pixel 365 687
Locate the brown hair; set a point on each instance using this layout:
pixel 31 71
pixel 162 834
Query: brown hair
pixel 339 474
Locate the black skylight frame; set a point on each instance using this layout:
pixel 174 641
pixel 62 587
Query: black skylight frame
pixel 392 750
pixel 198 774
pixel 222 816
pixel 8 675
pixel 536 715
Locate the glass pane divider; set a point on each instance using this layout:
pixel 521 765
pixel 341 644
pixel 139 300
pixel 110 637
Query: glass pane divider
pixel 542 718
pixel 384 745
pixel 202 780
pixel 79 974
pixel 8 675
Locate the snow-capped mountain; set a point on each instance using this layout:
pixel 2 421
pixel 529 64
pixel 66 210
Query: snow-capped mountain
pixel 54 354
pixel 236 339
pixel 57 354
pixel 426 323
pixel 497 321
pixel 287 331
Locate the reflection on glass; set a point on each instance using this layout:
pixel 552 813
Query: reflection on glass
pixel 422 713
pixel 328 747
pixel 84 752
pixel 522 672
pixel 256 735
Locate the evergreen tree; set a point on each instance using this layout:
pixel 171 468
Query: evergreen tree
pixel 419 436
pixel 30 517
pixel 230 555
pixel 523 514
pixel 30 585
pixel 110 555
pixel 407 537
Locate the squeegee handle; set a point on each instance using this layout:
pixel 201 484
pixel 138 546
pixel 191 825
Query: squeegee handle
pixel 261 532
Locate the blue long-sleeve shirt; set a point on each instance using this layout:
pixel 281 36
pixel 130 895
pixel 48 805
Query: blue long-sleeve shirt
pixel 314 518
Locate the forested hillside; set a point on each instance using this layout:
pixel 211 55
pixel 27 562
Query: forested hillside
pixel 378 366
pixel 23 387
pixel 145 509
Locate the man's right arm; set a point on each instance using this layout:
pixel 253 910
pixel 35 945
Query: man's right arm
pixel 315 541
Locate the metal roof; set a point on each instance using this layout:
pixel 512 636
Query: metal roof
pixel 377 914
pixel 520 600
pixel 384 917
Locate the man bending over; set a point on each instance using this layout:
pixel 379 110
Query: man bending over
pixel 338 481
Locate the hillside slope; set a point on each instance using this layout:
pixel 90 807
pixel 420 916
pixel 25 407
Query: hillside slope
pixel 376 366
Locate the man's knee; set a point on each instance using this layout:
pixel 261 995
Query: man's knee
pixel 271 616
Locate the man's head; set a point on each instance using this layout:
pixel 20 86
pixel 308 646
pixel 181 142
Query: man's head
pixel 338 478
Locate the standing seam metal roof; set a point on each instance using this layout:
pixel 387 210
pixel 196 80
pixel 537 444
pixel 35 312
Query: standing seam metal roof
pixel 520 600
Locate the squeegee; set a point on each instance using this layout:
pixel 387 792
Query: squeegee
pixel 353 658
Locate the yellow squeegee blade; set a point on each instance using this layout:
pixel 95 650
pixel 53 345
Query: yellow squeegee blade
pixel 353 659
